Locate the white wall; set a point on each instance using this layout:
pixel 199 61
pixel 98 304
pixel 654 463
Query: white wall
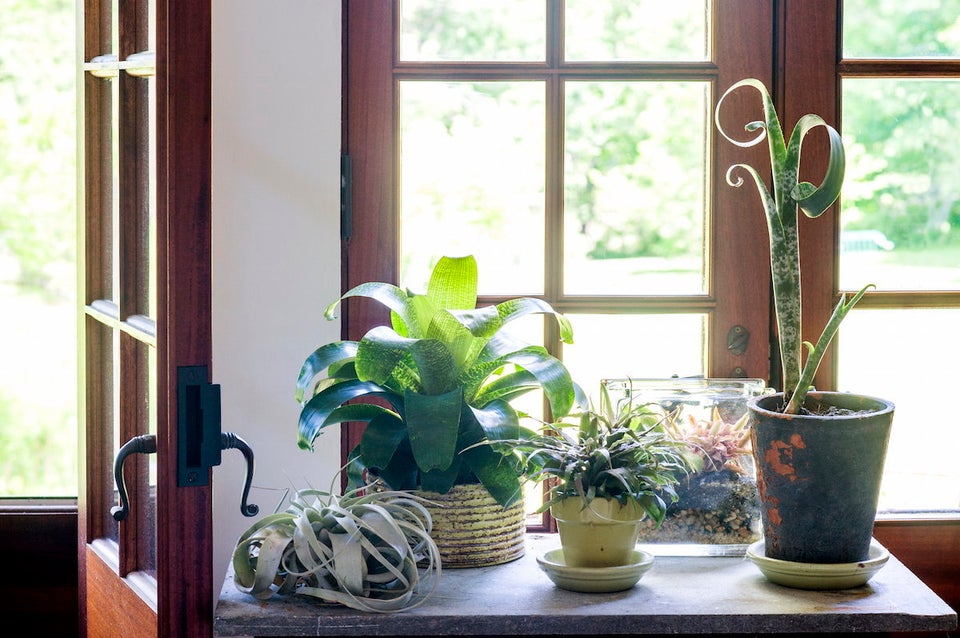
pixel 276 249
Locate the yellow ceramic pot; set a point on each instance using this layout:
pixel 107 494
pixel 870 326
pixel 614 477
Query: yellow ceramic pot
pixel 602 533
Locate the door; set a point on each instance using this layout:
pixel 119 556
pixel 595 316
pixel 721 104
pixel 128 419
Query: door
pixel 145 291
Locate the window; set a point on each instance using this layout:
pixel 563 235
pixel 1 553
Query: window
pixel 37 250
pixel 119 244
pixel 900 229
pixel 576 158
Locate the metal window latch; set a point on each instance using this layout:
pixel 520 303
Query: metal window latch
pixel 200 440
pixel 738 338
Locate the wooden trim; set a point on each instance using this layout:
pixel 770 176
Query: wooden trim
pixel 39 542
pixel 184 322
pixel 740 278
pixel 930 549
pixel 135 618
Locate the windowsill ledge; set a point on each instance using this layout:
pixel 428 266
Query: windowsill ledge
pixel 679 595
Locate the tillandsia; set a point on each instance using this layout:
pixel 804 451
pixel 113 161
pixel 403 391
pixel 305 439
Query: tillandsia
pixel 789 195
pixel 714 444
pixel 369 549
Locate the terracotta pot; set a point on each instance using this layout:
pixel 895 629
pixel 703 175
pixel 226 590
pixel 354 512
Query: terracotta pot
pixel 819 474
pixel 602 533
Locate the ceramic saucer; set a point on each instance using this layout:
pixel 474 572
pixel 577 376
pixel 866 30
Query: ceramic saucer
pixel 594 579
pixel 819 575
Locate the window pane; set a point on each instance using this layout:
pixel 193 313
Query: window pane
pixel 473 30
pixel 618 30
pixel 897 29
pixel 634 346
pixel 901 200
pixel 38 322
pixel 635 187
pixel 473 181
pixel 921 470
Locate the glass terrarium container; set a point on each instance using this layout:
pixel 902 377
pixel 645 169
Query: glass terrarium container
pixel 718 507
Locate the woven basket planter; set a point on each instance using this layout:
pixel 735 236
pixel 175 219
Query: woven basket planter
pixel 472 530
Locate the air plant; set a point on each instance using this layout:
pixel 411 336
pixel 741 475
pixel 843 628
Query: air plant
pixel 369 550
pixel 781 208
pixel 714 444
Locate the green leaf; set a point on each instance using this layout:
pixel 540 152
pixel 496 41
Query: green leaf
pixel 498 420
pixel 387 294
pixel 436 365
pixel 463 346
pixel 496 472
pixel 487 321
pixel 320 360
pixel 315 413
pixel 379 353
pixel 433 422
pixel 380 440
pixel 453 283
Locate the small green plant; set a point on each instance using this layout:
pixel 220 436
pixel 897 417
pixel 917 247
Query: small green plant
pixel 614 452
pixel 789 195
pixel 369 550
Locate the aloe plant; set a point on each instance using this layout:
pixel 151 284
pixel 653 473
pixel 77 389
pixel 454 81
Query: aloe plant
pixel 789 195
pixel 435 382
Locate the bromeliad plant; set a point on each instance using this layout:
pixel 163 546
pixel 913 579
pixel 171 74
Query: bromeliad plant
pixel 614 452
pixel 781 208
pixel 434 383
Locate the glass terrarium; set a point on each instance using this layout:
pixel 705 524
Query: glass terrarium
pixel 717 511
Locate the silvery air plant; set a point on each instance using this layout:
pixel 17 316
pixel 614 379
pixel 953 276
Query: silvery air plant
pixel 790 195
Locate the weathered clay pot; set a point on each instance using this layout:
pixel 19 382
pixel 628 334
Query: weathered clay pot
pixel 819 474
pixel 472 530
pixel 601 534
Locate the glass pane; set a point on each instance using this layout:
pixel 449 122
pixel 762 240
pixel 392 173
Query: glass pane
pixel 148 540
pixel 618 30
pixel 897 29
pixel 635 188
pixel 921 471
pixel 38 322
pixel 473 181
pixel 634 346
pixel 900 208
pixel 473 30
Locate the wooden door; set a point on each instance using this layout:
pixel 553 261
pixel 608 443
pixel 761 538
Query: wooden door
pixel 145 290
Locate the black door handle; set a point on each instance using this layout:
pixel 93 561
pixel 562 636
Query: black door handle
pixel 199 436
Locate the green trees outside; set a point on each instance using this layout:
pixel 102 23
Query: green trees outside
pixel 642 141
pixel 38 431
